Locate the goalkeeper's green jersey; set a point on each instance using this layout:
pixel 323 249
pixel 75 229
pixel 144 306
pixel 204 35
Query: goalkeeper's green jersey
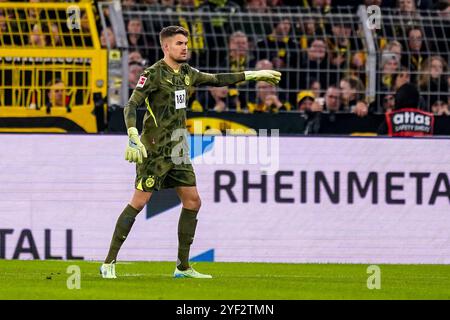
pixel 165 94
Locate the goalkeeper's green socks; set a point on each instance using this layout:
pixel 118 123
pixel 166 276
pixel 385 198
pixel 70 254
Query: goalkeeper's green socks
pixel 123 227
pixel 186 233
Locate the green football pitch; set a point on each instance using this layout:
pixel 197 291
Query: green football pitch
pixel 255 281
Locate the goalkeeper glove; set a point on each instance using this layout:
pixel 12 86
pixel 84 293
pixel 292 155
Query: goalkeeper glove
pixel 270 76
pixel 135 149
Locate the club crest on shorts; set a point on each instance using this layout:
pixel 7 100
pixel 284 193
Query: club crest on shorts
pixel 141 82
pixel 150 182
pixel 187 80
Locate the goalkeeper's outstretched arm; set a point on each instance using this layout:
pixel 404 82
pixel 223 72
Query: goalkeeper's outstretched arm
pixel 225 79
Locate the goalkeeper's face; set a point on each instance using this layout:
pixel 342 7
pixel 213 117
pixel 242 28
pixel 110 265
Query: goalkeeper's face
pixel 177 48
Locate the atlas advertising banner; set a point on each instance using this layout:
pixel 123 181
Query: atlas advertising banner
pixel 288 199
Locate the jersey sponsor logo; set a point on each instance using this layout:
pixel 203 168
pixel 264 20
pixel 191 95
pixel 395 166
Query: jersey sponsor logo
pixel 141 82
pixel 150 182
pixel 187 80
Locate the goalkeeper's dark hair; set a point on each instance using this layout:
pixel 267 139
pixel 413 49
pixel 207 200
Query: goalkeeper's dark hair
pixel 170 31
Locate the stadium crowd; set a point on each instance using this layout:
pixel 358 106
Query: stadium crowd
pixel 322 56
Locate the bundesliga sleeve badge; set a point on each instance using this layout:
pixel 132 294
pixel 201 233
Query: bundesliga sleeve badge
pixel 141 82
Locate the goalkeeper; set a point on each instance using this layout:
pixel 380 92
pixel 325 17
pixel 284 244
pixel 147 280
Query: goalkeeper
pixel 163 88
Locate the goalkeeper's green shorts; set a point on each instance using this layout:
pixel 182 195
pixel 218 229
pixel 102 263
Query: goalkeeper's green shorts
pixel 160 173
